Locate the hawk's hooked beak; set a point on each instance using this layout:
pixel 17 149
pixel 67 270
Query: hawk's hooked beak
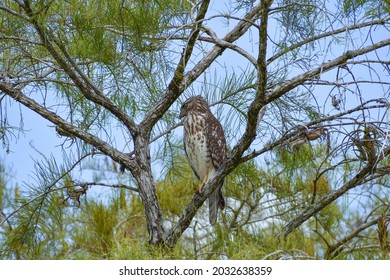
pixel 181 115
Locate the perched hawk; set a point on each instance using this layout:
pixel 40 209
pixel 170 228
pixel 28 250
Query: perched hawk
pixel 205 146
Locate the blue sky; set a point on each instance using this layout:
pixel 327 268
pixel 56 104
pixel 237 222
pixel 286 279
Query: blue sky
pixel 41 139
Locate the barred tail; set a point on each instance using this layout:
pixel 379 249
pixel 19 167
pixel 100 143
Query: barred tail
pixel 213 207
pixel 216 201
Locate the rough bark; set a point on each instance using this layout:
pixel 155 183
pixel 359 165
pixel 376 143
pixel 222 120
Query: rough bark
pixel 143 175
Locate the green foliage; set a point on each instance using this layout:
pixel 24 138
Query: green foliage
pixel 371 8
pixel 96 235
pixel 63 54
pixel 114 228
pixel 298 19
pixel 181 183
pixel 113 42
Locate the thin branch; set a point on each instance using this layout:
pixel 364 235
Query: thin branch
pixel 335 249
pixel 285 87
pixel 170 96
pixel 357 180
pixel 228 45
pixel 115 186
pixel 292 132
pixel 173 89
pixel 327 34
pixel 339 84
pixel 14 13
pixel 86 86
pixel 19 40
pixel 49 187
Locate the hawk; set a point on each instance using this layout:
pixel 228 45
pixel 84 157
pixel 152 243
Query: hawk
pixel 205 147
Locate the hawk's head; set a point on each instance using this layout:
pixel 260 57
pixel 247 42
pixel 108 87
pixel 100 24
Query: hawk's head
pixel 196 104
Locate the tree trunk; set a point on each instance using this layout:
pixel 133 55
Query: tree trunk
pixel 144 178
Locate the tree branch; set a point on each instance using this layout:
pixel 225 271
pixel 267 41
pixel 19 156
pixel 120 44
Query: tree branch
pixel 55 119
pixel 170 96
pixel 173 89
pixel 114 186
pixel 332 196
pixel 177 230
pixel 327 34
pixel 219 42
pixel 338 247
pixel 285 87
pixel 49 187
pixel 293 131
pixel 196 202
pixel 259 101
pixel 83 83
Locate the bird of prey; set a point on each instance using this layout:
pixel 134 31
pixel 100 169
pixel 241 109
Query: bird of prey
pixel 205 147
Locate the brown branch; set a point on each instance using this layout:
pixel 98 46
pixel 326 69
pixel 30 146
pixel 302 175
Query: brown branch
pixel 170 96
pixel 19 40
pixel 329 198
pixel 171 237
pixel 177 230
pixel 327 34
pixel 337 248
pixel 14 13
pixel 341 84
pixel 332 196
pixel 114 186
pixel 227 45
pixel 259 101
pixel 96 142
pixel 285 87
pixel 293 131
pixel 174 87
pixel 83 83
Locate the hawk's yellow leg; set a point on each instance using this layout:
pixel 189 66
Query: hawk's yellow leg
pixel 202 183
